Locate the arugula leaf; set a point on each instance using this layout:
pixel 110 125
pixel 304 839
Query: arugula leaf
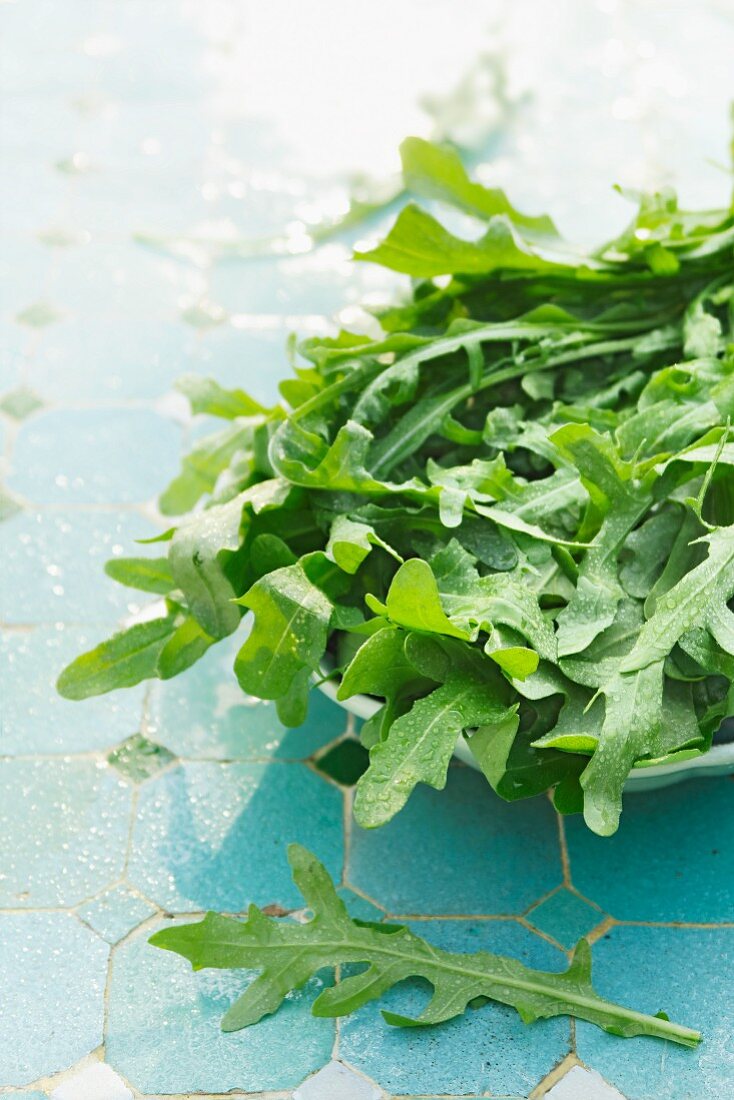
pixel 146 574
pixel 288 954
pixel 522 480
pixel 202 549
pixel 127 658
pixel 289 634
pixel 418 245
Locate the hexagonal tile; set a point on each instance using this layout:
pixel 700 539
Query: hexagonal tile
pixel 64 825
pixel 583 1084
pixel 488 1050
pixel 115 912
pixel 345 762
pixel 672 858
pixel 34 716
pixel 20 403
pixel 565 916
pixel 95 1082
pixel 164 1035
pixel 470 863
pixel 53 566
pixel 214 836
pixel 138 759
pixel 94 456
pixel 205 713
pixel 52 969
pixel 337 1082
pixel 685 972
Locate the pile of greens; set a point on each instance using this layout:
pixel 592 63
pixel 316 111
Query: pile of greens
pixel 509 515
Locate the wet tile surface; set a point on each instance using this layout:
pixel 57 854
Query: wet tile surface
pixel 64 825
pixel 689 972
pixel 51 969
pixel 164 1034
pixel 35 719
pixel 100 456
pixel 213 836
pixel 147 143
pixel 479 844
pixel 203 713
pixel 115 912
pixel 565 916
pixel 53 566
pixel 489 1050
pixel 675 842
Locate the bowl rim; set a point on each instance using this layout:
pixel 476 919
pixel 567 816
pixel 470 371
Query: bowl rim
pixel 718 757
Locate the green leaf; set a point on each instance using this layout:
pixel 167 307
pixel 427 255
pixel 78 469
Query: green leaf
pixel 436 172
pixel 289 953
pixel 289 634
pixel 201 558
pixel 185 647
pixel 413 601
pixel 698 600
pixel 127 658
pixel 419 746
pixel 147 574
pixel 418 245
pixel 207 397
pixel 350 541
pixel 201 468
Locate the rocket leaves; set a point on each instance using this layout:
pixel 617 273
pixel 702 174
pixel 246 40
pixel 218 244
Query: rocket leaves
pixel 508 516
pixel 287 954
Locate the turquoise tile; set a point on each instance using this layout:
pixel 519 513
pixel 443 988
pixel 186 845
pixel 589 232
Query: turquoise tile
pixel 477 842
pixel 358 907
pixel 489 1050
pixel 115 912
pixel 214 836
pixel 65 826
pixel 114 280
pixel 53 566
pixel 163 1028
pixel 254 361
pixel 138 758
pixel 205 714
pixel 566 917
pixel 52 973
pixel 34 717
pixel 94 456
pixel 344 762
pixel 140 361
pixel 672 858
pixel 685 972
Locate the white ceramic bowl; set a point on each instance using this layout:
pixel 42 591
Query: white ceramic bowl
pixel 719 760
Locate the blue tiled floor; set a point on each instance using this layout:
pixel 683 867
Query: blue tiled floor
pixel 121 814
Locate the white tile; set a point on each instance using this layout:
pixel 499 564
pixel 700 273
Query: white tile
pixel 97 1082
pixel 583 1084
pixel 336 1082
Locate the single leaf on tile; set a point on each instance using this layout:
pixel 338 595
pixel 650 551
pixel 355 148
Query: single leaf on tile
pixel 124 660
pixel 288 954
